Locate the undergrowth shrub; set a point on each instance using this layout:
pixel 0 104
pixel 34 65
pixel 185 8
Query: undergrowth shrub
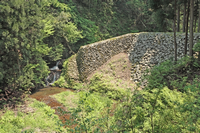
pixel 156 110
pixel 173 74
pixel 61 82
pixel 89 112
pixel 42 118
pixel 192 106
pixel 196 48
pixel 105 87
pixel 68 98
pixel 169 103
pixel 79 86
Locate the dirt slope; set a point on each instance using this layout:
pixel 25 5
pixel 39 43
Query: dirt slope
pixel 119 68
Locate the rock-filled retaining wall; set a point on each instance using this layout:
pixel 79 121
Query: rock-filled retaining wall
pixel 144 49
pixel 92 56
pixel 70 66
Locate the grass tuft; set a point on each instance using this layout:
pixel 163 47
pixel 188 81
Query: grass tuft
pixel 40 119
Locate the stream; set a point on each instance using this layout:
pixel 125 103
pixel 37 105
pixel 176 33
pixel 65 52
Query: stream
pixel 43 95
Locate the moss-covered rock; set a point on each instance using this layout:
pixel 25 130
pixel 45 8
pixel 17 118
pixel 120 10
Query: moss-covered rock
pixel 71 73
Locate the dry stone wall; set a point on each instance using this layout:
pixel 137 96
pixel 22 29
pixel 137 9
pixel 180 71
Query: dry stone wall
pixel 70 67
pixel 92 56
pixel 144 49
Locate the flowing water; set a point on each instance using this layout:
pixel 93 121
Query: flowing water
pixel 43 95
pixel 53 75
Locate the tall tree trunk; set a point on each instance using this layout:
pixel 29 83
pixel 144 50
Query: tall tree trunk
pixel 195 23
pixel 178 18
pixel 186 29
pixel 199 20
pixel 184 15
pixel 195 20
pixel 191 28
pixel 175 44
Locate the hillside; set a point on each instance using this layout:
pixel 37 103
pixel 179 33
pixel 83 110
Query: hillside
pixel 146 81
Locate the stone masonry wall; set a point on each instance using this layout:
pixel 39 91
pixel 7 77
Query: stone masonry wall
pixel 92 56
pixel 144 49
pixel 153 48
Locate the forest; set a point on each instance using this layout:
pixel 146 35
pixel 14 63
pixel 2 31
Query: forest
pixel 34 34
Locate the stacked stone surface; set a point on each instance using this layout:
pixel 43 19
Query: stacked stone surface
pixel 144 49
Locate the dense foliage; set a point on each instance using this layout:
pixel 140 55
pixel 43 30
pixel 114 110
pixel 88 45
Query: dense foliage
pixel 40 119
pixel 169 103
pixel 34 33
pixel 100 20
pixel 25 29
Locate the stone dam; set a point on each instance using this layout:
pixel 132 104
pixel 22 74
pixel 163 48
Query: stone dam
pixel 144 49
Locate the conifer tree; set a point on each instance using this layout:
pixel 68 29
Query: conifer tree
pixel 178 16
pixel 184 15
pixel 22 47
pixel 24 25
pixel 163 13
pixel 186 28
pixel 198 30
pixel 175 44
pixel 191 27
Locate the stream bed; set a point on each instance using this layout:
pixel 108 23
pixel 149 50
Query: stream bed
pixel 43 95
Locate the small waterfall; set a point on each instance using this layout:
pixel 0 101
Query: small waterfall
pixel 57 63
pixel 53 75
